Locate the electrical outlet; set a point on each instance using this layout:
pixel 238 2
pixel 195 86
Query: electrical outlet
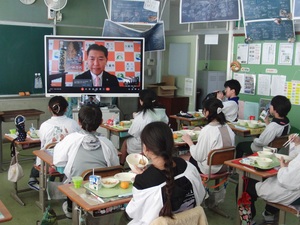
pixel 51 14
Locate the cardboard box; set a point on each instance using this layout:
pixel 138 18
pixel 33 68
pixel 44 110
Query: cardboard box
pixel 166 87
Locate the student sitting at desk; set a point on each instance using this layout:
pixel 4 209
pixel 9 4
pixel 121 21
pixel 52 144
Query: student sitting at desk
pixel 283 188
pixel 231 105
pixel 216 134
pixel 147 114
pixel 53 130
pixel 169 185
pixel 85 149
pixel 279 126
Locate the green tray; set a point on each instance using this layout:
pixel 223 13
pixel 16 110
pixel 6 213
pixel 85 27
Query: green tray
pixel 275 163
pixel 110 192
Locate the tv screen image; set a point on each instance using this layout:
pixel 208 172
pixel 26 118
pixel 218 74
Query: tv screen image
pixel 67 65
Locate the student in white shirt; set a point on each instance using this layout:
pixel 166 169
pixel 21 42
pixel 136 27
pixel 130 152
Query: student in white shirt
pixel 53 130
pixel 169 185
pixel 147 113
pixel 216 134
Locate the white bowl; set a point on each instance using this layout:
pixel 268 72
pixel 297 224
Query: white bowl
pixel 269 149
pixel 243 122
pixel 136 159
pixel 109 182
pixel 252 124
pixel 263 161
pixel 126 123
pixel 125 176
pixel 265 154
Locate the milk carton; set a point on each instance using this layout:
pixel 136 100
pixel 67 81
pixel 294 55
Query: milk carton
pixel 95 182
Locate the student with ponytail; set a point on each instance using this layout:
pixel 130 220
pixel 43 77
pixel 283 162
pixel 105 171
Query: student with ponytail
pixel 169 185
pixel 216 134
pixel 53 130
pixel 149 111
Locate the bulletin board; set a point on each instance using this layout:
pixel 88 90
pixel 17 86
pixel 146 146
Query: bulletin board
pixel 290 72
pixel 22 55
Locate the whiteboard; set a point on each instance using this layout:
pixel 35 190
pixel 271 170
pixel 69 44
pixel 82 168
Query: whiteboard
pixel 179 58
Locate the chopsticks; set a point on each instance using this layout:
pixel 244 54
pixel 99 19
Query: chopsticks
pixel 290 140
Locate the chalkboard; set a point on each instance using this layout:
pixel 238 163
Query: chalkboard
pixel 296 9
pixel 22 55
pixel 131 11
pixel 154 37
pixel 192 11
pixel 269 30
pixel 265 9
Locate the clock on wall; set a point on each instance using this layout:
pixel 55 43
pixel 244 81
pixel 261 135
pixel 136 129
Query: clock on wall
pixel 27 2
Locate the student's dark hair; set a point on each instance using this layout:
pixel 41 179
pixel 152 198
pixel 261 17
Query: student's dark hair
pixel 281 104
pixel 148 97
pixel 233 84
pixel 158 138
pixel 58 105
pixel 90 117
pixel 214 106
pixel 98 48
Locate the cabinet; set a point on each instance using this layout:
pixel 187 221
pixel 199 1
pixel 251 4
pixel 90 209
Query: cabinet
pixel 173 105
pixel 209 81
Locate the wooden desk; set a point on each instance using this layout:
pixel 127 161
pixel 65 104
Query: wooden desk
pixel 29 141
pixel 120 132
pixel 78 201
pixel 199 121
pixel 250 172
pixel 9 116
pixel 46 161
pixel 6 214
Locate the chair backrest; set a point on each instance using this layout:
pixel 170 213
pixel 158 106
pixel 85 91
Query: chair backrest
pixel 278 141
pixel 103 172
pixel 218 156
pixel 195 216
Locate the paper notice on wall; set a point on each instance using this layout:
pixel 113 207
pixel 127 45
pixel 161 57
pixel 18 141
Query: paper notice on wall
pixel 188 86
pixel 278 85
pixel 38 83
pixel 263 84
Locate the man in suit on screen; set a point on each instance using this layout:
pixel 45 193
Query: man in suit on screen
pixel 97 59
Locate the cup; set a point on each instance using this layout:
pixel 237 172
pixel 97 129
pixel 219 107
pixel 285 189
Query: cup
pixel 13 131
pixel 251 117
pixel 269 149
pixel 77 181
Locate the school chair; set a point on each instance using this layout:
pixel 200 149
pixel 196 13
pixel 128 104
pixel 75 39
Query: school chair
pixel 217 157
pixel 283 210
pixel 194 216
pixel 278 142
pixel 103 172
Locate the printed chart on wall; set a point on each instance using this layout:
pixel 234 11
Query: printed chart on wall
pixel 269 68
pixel 133 11
pixel 268 20
pixel 192 11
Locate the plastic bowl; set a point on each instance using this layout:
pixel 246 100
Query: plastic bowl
pixel 136 159
pixel 109 182
pixel 252 124
pixel 242 122
pixel 126 123
pixel 265 154
pixel 125 176
pixel 263 161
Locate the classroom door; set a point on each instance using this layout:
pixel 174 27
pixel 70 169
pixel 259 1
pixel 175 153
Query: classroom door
pixel 180 60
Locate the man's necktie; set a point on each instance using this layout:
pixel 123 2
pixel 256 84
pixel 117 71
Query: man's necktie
pixel 97 83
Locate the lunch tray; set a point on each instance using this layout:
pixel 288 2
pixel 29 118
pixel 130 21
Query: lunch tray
pixel 110 192
pixel 275 163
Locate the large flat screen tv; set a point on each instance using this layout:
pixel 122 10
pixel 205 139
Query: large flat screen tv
pixel 66 58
